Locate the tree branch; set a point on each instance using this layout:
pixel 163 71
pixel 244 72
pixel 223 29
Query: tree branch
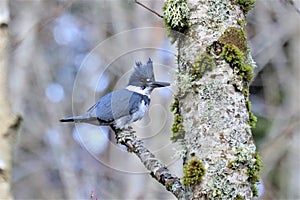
pixel 157 169
pixel 151 10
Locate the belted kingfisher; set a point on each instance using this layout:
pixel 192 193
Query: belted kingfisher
pixel 122 107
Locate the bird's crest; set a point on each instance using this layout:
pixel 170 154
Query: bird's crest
pixel 142 73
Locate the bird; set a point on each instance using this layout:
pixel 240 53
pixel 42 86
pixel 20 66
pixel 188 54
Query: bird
pixel 120 108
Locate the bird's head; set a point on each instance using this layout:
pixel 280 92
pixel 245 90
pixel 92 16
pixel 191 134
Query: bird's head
pixel 142 79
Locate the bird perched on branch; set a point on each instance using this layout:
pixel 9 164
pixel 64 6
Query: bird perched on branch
pixel 122 107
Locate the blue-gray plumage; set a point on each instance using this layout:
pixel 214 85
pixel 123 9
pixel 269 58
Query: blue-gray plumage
pixel 122 107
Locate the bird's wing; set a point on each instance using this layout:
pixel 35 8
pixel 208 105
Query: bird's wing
pixel 102 109
pixel 116 105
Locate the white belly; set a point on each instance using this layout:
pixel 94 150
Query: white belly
pixel 143 108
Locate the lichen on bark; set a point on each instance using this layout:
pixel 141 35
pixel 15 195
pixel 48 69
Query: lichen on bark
pixel 176 14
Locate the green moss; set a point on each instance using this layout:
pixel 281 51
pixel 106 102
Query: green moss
pixel 235 58
pixel 253 176
pixel 236 37
pixel 193 172
pixel 177 127
pixel 239 197
pixel 254 190
pixel 232 55
pixel 176 14
pixel 248 105
pixel 246 92
pixel 253 173
pixel 241 22
pixel 246 5
pixel 252 117
pixel 246 71
pixel 174 107
pixel 205 62
pixel 234 51
pixel 252 120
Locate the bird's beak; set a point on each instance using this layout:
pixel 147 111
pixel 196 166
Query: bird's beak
pixel 156 84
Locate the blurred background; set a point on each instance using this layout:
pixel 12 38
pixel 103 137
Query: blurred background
pixel 67 54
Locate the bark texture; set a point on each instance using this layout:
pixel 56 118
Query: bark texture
pixel 8 123
pixel 212 111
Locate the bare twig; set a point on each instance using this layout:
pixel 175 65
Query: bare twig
pixel 151 10
pixel 157 169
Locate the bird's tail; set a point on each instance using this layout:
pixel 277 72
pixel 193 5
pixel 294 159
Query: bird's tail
pixel 68 119
pixel 80 118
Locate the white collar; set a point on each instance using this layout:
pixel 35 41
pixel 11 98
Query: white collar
pixel 147 91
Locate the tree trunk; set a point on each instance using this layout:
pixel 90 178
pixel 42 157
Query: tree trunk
pixel 8 123
pixel 212 117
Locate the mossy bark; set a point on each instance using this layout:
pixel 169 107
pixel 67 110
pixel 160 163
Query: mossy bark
pixel 214 104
